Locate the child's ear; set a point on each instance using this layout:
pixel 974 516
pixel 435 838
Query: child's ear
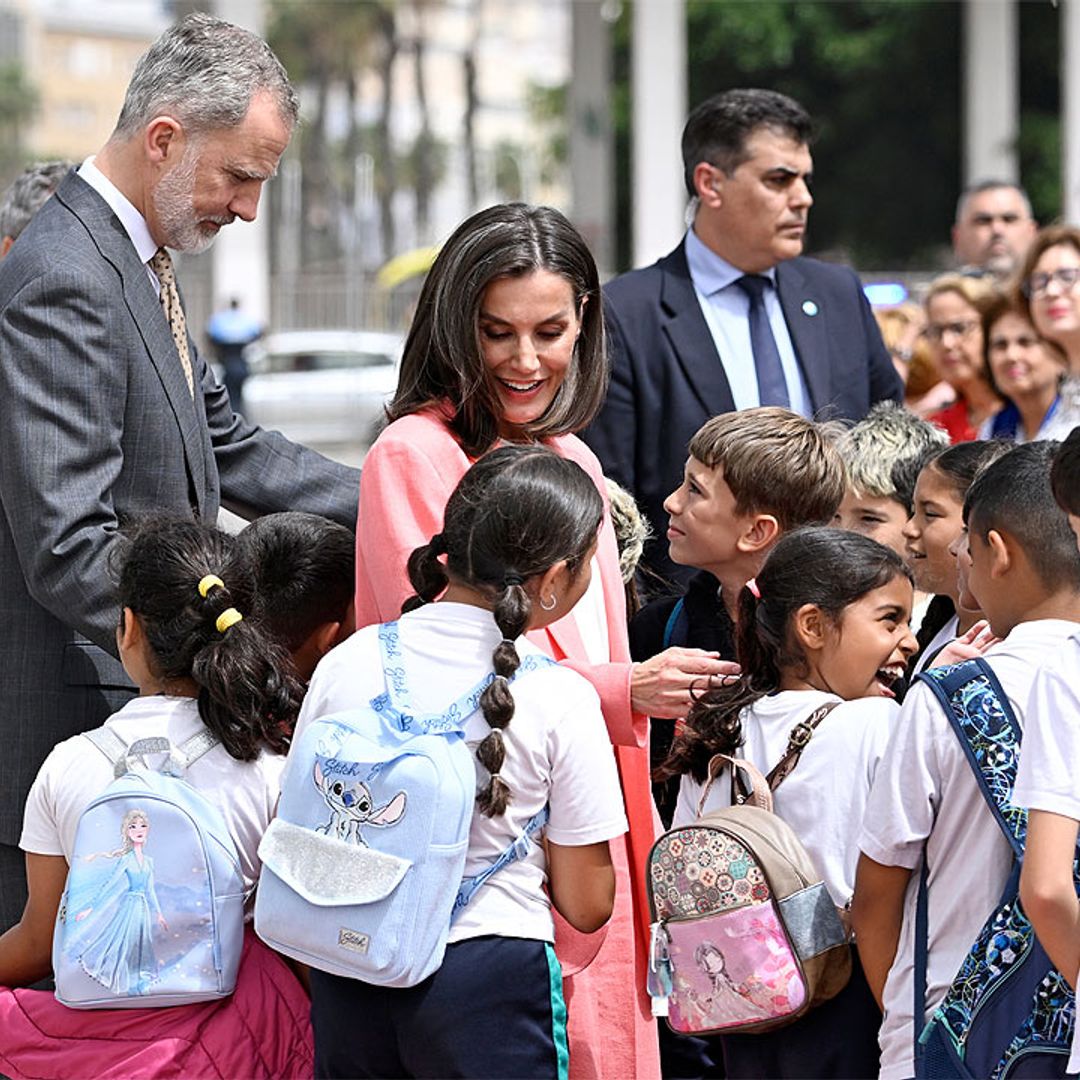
pixel 550 584
pixel 760 533
pixel 1001 559
pixel 129 634
pixel 809 626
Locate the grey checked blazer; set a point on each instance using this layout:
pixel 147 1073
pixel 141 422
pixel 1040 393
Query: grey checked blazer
pixel 97 424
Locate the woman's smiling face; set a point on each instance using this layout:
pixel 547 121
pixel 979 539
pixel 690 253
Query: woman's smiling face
pixel 529 326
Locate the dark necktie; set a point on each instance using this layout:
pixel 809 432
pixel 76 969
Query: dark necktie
pixel 772 387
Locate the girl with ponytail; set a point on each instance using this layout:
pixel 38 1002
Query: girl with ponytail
pixel 514 553
pixel 200 665
pixel 823 637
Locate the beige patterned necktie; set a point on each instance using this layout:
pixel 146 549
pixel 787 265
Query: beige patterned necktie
pixel 162 265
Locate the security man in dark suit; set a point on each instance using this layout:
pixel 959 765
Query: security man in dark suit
pixel 734 317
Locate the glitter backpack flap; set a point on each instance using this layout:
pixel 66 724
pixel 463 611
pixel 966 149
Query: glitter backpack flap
pixel 745 935
pixel 1008 1012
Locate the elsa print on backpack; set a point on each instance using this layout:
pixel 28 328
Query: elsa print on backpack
pixel 115 945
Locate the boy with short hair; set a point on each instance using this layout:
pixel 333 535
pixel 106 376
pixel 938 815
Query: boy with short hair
pixel 884 453
pixel 304 567
pixel 1019 563
pixel 751 476
pixel 1049 766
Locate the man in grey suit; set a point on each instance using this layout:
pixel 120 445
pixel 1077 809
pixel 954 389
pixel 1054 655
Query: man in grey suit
pixel 106 409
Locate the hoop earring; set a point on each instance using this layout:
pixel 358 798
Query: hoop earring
pixel 552 605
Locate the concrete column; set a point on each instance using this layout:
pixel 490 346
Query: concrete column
pixel 658 76
pixel 991 90
pixel 592 155
pixel 1070 111
pixel 241 252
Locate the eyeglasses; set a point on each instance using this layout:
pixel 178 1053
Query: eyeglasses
pixel 1038 285
pixel 937 331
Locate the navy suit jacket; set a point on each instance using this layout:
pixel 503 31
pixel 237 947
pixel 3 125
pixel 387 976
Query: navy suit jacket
pixel 667 378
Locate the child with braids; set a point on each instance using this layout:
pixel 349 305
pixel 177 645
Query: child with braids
pixel 824 624
pixel 199 664
pixel 515 550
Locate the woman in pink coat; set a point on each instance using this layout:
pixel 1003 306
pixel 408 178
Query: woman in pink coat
pixel 508 345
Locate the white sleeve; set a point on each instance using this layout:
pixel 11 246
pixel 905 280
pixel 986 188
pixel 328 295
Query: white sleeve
pixel 40 835
pixel 1049 773
pixel 906 786
pixel 585 797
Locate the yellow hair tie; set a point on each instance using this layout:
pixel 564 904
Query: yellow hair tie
pixel 229 617
pixel 208 583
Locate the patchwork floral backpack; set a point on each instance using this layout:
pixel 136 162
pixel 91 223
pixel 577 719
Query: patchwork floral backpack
pixel 745 936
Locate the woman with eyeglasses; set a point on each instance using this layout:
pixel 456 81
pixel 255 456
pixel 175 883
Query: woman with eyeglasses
pixel 1027 370
pixel 1049 280
pixel 954 330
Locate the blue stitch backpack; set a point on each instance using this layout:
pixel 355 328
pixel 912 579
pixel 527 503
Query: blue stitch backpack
pixel 363 866
pixel 1008 1012
pixel 153 910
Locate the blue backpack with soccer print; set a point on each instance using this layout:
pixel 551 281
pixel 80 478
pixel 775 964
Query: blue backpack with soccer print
pixel 1008 1012
pixel 363 865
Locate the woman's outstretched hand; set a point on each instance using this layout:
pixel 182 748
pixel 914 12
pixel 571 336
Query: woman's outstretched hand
pixel 663 685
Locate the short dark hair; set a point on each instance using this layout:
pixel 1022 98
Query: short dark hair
pixel 1013 496
pixel 960 464
pixel 717 130
pixel 443 358
pixel 1065 474
pixel 304 567
pixel 981 186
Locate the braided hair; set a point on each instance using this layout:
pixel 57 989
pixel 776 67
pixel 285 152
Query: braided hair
pixel 191 585
pixel 515 514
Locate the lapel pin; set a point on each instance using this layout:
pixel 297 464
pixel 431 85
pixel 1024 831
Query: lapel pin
pixel 809 308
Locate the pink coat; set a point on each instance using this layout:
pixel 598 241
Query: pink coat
pixel 261 1032
pixel 407 478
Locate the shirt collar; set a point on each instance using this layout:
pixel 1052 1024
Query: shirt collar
pixel 134 223
pixel 709 272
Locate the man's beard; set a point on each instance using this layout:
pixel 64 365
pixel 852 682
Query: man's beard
pixel 174 205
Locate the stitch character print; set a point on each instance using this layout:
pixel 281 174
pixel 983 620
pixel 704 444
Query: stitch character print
pixel 351 803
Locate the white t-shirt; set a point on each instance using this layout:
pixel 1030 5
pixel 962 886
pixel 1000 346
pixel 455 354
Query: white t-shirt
pixel 824 797
pixel 557 751
pixel 1049 774
pixel 76 772
pixel 925 796
pixel 949 632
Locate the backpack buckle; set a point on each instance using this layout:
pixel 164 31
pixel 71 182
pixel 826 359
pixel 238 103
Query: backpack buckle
pixel 801 734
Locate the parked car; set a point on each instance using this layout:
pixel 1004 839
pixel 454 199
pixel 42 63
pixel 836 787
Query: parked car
pixel 323 388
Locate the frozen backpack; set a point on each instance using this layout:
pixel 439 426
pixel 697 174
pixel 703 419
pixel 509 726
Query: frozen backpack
pixel 745 936
pixel 1008 1012
pixel 362 867
pixel 153 910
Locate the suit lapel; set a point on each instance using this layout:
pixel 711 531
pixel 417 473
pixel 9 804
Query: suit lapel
pixel 690 338
pixel 115 246
pixel 804 313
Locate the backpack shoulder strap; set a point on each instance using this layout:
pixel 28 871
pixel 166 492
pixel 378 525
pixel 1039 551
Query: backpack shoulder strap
pixel 979 713
pixel 676 625
pixel 518 849
pixel 800 736
pixel 190 750
pixel 108 742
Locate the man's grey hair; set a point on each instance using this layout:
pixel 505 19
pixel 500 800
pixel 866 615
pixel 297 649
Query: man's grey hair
pixel 204 72
pixel 28 194
pixel 990 185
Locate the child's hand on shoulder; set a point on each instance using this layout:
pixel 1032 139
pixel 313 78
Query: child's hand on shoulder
pixel 974 643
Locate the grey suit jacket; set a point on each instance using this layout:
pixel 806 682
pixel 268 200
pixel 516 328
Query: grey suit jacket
pixel 97 425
